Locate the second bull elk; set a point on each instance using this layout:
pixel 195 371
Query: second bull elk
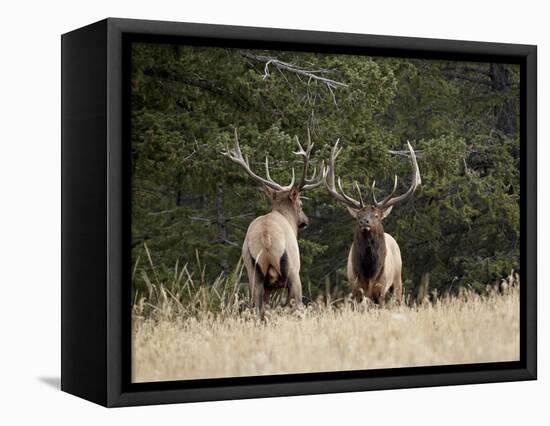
pixel 374 260
pixel 270 250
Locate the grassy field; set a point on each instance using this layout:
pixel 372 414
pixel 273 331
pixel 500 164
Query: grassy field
pixel 172 343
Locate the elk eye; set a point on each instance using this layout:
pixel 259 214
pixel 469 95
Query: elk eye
pixel 376 216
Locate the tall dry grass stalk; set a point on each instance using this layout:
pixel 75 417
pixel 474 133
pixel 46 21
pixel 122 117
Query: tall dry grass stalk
pixel 186 330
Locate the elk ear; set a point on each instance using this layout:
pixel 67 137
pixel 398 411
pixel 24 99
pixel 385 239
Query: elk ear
pixel 386 212
pixel 352 212
pixel 294 194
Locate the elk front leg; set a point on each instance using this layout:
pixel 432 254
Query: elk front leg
pixel 398 291
pixel 379 294
pixel 357 294
pixel 359 291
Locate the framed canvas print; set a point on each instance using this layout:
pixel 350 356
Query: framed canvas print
pixel 253 212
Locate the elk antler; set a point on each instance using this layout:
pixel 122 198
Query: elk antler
pixel 316 179
pixel 330 182
pixel 416 181
pixel 236 156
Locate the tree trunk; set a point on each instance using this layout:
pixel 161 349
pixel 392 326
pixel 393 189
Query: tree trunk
pixel 220 219
pixel 423 288
pixel 505 113
pixel 327 291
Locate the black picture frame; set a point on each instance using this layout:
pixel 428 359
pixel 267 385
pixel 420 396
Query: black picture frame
pixel 95 288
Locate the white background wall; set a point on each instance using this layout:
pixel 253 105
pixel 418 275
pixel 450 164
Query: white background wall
pixel 30 210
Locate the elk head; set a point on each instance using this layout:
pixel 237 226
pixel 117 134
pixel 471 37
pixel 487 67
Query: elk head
pixel 285 199
pixel 369 216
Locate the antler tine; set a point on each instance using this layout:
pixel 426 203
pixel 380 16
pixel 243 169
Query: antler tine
pixel 329 170
pixel 237 146
pixel 347 197
pixel 228 153
pixel 236 156
pixel 330 180
pixel 316 179
pixel 359 193
pixel 306 156
pixel 268 175
pixel 386 199
pixel 415 182
pixel 291 184
pixel 309 145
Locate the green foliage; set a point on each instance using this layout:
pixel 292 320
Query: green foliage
pixel 192 206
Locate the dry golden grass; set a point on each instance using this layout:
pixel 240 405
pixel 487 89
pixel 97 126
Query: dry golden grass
pixel 469 329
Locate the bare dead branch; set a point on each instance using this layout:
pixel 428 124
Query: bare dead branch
pixel 458 76
pixel 405 153
pixel 310 74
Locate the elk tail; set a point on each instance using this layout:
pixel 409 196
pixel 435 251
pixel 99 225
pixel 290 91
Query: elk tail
pixel 259 276
pixel 265 239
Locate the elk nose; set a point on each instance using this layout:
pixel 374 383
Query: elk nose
pixel 363 221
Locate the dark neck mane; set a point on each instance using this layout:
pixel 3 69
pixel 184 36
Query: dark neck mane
pixel 369 253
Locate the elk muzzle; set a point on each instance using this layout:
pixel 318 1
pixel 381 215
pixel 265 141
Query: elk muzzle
pixel 303 221
pixel 364 224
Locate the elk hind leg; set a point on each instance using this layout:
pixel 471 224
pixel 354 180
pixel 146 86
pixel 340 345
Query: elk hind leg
pixel 293 283
pixel 295 291
pixel 259 294
pixel 257 289
pixel 397 291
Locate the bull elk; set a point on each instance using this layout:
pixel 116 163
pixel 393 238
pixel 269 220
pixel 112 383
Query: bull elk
pixel 374 260
pixel 270 249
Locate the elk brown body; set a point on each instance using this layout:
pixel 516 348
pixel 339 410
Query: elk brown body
pixel 374 261
pixel 270 249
